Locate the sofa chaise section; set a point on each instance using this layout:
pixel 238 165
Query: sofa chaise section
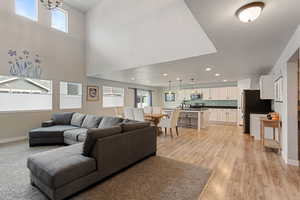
pixel 65 171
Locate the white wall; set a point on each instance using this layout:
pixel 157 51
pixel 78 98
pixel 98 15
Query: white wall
pixel 288 109
pixel 126 34
pixel 62 58
pixel 97 108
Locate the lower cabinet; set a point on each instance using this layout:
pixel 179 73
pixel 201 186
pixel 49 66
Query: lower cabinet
pixel 223 115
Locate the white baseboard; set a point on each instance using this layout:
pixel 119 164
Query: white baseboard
pixel 293 162
pixel 13 139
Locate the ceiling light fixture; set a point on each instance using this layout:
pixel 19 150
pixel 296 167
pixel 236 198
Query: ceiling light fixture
pixel 133 79
pixel 225 80
pixel 178 78
pixel 250 12
pixel 165 74
pixel 208 69
pixel 51 4
pixel 217 74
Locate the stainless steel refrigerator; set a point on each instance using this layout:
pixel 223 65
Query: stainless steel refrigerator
pixel 251 103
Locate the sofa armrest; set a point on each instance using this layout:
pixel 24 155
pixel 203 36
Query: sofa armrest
pixel 47 123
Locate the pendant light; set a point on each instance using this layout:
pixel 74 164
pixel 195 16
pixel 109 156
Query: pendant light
pixel 51 4
pixel 193 86
pixel 170 92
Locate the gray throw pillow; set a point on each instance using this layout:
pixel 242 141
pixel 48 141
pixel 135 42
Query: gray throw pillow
pixel 62 118
pixel 108 122
pixel 94 134
pixel 132 126
pixel 91 121
pixel 77 119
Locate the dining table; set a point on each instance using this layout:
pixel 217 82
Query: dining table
pixel 155 119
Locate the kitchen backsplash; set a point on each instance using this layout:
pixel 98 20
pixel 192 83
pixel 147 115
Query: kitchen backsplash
pixel 214 102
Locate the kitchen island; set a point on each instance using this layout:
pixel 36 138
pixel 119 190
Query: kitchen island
pixel 196 118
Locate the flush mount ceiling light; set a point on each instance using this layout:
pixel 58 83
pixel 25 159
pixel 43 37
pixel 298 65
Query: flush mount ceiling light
pixel 250 12
pixel 217 74
pixel 165 74
pixel 208 69
pixel 51 4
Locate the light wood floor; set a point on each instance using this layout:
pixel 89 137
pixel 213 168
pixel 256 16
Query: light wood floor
pixel 242 169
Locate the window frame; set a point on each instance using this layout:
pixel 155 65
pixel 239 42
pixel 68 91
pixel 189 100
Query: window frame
pixel 66 13
pixel 81 100
pixel 31 110
pixel 123 96
pixel 36 19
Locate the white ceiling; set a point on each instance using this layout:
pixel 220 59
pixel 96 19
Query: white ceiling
pixel 82 5
pixel 244 50
pixel 133 33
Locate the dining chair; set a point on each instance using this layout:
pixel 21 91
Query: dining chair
pixel 139 114
pixel 148 110
pixel 156 110
pixel 119 112
pixel 170 123
pixel 128 113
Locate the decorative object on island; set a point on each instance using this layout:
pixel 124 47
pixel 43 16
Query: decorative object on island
pixel 52 4
pixel 92 93
pixel 24 64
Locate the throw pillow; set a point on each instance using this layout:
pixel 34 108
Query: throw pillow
pixel 91 121
pixel 77 119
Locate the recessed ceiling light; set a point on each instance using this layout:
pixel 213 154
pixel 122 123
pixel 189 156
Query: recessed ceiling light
pixel 178 79
pixel 224 80
pixel 217 74
pixel 133 79
pixel 208 69
pixel 250 12
pixel 165 74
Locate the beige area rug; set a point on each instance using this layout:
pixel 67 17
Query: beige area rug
pixel 156 178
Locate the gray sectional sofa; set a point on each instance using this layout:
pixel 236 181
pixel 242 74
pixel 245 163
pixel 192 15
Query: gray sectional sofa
pixel 101 146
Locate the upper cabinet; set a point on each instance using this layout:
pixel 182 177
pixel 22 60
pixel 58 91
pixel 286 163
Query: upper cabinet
pixel 220 93
pixel 223 93
pixel 205 93
pixel 232 93
pixel 266 87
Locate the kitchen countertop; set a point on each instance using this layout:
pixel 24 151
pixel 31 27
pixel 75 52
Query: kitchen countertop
pixel 204 108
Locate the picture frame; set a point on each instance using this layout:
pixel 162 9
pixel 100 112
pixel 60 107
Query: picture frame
pixel 92 93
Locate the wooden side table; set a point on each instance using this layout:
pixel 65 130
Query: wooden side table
pixel 271 143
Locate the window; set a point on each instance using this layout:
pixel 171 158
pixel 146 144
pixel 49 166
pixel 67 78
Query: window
pixel 113 97
pixel 70 95
pixel 144 98
pixel 59 19
pixel 26 8
pixel 24 94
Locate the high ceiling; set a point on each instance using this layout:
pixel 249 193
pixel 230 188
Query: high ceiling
pixel 243 50
pixel 82 5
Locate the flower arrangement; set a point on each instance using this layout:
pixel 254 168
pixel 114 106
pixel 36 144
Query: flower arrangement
pixel 24 65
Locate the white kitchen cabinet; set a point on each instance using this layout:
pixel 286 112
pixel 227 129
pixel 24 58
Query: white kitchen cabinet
pixel 223 115
pixel 215 94
pixel 231 93
pixel 231 116
pixel 266 85
pixel 205 93
pixel 213 115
